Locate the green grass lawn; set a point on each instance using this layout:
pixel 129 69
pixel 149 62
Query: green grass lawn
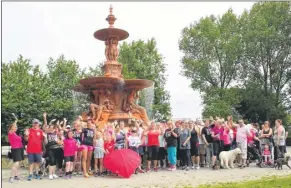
pixel 266 182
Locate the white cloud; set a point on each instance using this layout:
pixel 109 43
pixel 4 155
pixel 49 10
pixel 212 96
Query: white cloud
pixel 39 30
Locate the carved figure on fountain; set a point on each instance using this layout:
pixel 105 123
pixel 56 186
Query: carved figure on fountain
pixel 134 109
pixel 111 50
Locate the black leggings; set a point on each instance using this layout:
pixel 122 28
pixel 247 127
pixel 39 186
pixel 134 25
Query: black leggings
pixel 185 157
pixel 51 157
pixel 59 157
pixel 217 147
pixel 55 156
pixel 153 152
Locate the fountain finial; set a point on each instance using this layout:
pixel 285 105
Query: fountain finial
pixel 111 18
pixel 110 10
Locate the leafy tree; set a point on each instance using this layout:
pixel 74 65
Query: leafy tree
pixel 266 30
pixel 212 51
pixel 258 42
pixel 254 104
pixel 24 93
pixel 63 75
pixel 142 60
pixel 221 102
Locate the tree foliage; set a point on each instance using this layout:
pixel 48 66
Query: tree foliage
pixel 24 93
pixel 143 61
pixel 249 54
pixel 28 92
pixel 212 51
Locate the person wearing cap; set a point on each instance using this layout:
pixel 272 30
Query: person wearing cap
pixel 34 137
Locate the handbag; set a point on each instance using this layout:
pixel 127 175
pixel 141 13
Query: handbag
pixel 9 154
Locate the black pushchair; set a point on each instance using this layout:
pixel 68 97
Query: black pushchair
pixel 254 154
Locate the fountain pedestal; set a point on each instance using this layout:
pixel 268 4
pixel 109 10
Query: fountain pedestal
pixel 112 97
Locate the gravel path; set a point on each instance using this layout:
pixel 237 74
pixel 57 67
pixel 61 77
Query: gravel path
pixel 153 179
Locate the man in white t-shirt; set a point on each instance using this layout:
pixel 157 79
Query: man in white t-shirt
pixel 241 139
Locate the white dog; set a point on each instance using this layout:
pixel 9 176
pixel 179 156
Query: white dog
pixel 227 157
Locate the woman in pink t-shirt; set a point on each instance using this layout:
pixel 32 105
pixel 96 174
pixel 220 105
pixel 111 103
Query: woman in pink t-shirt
pixel 217 135
pixel 17 152
pixel 226 138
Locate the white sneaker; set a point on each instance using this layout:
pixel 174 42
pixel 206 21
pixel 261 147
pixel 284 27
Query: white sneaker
pixel 55 176
pixel 207 166
pixel 197 167
pixel 193 167
pixel 51 177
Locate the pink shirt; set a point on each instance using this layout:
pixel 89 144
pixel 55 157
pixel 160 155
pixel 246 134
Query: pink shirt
pixel 241 135
pixel 226 137
pixel 70 147
pixel 15 140
pixel 218 131
pixel 250 138
pixel 267 152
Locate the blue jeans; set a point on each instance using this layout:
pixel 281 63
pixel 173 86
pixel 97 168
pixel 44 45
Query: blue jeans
pixel 34 158
pixel 172 154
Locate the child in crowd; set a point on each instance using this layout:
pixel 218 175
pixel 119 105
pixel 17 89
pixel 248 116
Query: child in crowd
pixel 134 142
pixel 70 148
pixel 98 154
pixel 267 153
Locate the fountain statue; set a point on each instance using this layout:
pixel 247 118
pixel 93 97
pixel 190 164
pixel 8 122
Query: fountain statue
pixel 111 96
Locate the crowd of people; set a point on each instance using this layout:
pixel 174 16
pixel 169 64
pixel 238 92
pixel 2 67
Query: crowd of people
pixel 79 149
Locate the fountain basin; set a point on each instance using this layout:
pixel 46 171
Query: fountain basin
pixel 104 34
pixel 138 84
pixel 88 84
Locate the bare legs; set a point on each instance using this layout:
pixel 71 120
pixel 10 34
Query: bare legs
pixel 77 163
pixel 34 166
pixel 195 161
pixel 15 169
pixel 88 163
pixel 150 162
pixel 84 162
pixel 100 161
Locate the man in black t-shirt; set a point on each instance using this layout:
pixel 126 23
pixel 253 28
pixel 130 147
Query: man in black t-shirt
pixel 171 135
pixel 208 141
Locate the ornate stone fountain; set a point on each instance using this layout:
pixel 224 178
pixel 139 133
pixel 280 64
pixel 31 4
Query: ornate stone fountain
pixel 112 97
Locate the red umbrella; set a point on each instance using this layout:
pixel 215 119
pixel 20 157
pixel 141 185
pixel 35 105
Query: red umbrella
pixel 122 162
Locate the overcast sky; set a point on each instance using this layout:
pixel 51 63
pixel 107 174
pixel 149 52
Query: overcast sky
pixel 40 30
